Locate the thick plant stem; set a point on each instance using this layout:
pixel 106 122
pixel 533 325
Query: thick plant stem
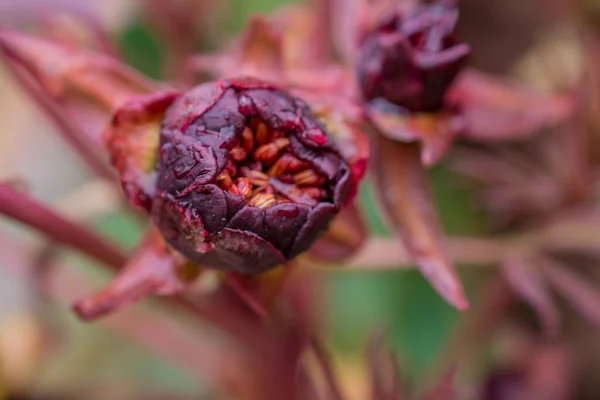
pixel 566 232
pixel 383 253
pixel 20 207
pixel 221 308
pixel 278 353
pixel 160 332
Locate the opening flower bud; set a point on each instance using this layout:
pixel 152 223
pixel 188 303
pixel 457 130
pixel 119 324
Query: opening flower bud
pixel 411 58
pixel 246 177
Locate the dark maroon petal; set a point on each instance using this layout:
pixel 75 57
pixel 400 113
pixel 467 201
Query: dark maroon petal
pixel 380 60
pixel 210 204
pixel 234 205
pixel 412 61
pixel 283 223
pixel 345 235
pixel 185 164
pixel 169 216
pixel 224 116
pixel 192 104
pixel 250 219
pixel 243 252
pixel 224 138
pixel 269 107
pixel 313 227
pixel 252 159
pixel 342 189
pixel 325 163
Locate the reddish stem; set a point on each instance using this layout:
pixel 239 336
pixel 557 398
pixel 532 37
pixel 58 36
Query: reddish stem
pixel 223 308
pixel 159 332
pixel 22 208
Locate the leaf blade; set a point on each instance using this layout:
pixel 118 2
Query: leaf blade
pixel 494 109
pixel 404 192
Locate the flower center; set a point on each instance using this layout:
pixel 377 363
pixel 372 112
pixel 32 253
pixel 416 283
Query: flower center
pixel 263 170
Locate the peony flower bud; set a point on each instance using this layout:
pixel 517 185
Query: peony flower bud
pixel 246 178
pixel 411 58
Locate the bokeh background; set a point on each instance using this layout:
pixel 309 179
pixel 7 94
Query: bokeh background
pixel 509 37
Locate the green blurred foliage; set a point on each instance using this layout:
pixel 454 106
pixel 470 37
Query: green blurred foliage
pixel 369 209
pixel 417 320
pixel 123 226
pixel 402 303
pixel 240 10
pixel 140 49
pixel 96 354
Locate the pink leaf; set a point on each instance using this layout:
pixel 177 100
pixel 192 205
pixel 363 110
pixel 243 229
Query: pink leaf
pixel 77 80
pixel 435 132
pixel 152 270
pixel 403 187
pixel 494 109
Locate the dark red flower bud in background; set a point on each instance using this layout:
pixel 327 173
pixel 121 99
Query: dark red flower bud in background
pixel 246 177
pixel 411 58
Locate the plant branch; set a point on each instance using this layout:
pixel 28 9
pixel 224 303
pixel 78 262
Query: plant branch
pixel 22 208
pixel 383 253
pixel 378 253
pixel 574 231
pixel 222 308
pixel 157 331
pixel 74 136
